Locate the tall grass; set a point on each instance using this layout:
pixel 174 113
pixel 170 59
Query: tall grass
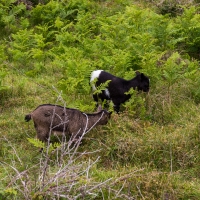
pixel 151 149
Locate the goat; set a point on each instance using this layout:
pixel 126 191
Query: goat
pixel 117 87
pixel 48 118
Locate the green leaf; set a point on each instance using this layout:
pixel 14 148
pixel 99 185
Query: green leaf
pixel 36 142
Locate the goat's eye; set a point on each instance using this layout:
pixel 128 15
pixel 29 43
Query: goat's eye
pixel 47 114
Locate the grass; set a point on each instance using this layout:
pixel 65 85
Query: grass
pixel 145 159
pixel 149 151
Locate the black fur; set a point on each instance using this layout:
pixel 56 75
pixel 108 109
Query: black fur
pixel 118 86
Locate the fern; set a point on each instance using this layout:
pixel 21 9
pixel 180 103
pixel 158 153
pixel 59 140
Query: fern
pixel 36 143
pixel 101 87
pixel 188 28
pixel 135 105
pixel 39 144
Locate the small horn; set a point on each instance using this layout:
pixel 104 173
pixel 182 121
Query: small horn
pixel 99 108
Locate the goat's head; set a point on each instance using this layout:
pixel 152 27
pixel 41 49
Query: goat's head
pixel 142 82
pixel 105 115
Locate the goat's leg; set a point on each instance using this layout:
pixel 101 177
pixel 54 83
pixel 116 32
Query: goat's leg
pixel 117 108
pixel 42 135
pixel 117 102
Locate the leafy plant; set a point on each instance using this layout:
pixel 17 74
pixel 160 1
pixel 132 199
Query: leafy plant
pixel 9 15
pixel 8 193
pixel 3 88
pixel 136 104
pixel 148 151
pixel 26 46
pixel 187 27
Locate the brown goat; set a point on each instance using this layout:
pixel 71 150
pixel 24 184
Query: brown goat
pixel 48 118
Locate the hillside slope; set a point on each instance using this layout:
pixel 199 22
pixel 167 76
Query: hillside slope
pixel 151 149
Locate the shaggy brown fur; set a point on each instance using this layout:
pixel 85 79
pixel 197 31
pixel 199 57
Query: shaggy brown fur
pixel 48 117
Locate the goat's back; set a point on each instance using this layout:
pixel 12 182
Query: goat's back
pixel 57 117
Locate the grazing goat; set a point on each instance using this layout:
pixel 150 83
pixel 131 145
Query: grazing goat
pixel 117 87
pixel 49 118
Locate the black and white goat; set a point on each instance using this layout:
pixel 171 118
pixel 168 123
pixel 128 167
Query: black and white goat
pixel 117 87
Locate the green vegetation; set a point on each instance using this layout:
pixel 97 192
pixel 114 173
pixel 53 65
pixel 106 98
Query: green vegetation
pixel 149 151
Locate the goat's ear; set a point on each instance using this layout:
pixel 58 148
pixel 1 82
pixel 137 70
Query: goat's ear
pixel 143 76
pixel 137 73
pixel 99 108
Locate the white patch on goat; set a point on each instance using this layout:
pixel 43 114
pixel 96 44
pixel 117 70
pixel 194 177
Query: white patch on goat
pixel 107 93
pixel 94 74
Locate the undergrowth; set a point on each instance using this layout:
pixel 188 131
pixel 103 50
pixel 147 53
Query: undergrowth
pixel 151 149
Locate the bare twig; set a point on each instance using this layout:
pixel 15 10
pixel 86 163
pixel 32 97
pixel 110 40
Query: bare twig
pixel 15 152
pixel 69 178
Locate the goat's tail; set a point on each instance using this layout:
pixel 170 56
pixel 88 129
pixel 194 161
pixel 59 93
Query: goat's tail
pixel 27 118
